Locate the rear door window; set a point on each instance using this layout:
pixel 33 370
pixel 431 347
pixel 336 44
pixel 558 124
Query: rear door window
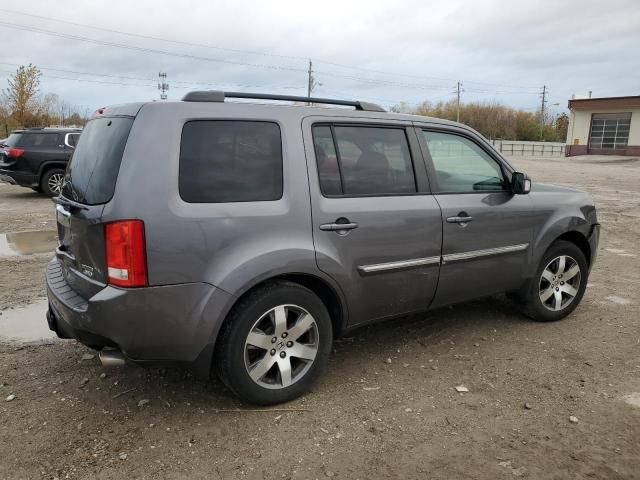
pixel 39 140
pixel 354 160
pixel 230 161
pixel 93 170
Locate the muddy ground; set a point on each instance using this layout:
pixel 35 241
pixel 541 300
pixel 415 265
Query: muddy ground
pixel 366 418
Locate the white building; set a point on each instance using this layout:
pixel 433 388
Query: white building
pixel 602 126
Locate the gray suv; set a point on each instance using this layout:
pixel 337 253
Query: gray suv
pixel 242 238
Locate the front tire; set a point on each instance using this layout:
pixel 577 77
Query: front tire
pixel 275 344
pixel 51 182
pixel 558 284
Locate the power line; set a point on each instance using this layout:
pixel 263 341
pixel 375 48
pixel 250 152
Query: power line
pixel 291 57
pixel 149 80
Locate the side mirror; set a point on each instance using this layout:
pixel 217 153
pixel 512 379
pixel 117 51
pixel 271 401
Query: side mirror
pixel 520 183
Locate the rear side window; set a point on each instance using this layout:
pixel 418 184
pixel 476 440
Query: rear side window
pixel 94 166
pixel 40 140
pixel 230 161
pixel 356 160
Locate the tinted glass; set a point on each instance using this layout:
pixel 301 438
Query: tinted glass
pixel 13 140
pixel 230 161
pixel 39 140
pixel 94 166
pixel 327 161
pixel 461 165
pixel 370 161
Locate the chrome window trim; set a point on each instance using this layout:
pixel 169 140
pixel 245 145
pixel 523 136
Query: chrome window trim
pixel 457 257
pixel 383 267
pixel 66 139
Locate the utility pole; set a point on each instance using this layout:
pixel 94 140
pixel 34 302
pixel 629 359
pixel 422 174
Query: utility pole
pixel 543 109
pixel 311 81
pixel 163 86
pixel 458 90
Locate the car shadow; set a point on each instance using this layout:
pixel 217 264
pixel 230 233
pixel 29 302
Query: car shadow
pixel 177 387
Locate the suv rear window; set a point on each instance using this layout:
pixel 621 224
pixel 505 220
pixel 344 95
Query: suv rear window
pixel 94 166
pixel 230 161
pixel 13 140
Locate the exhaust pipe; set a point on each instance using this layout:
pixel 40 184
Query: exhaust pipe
pixel 111 358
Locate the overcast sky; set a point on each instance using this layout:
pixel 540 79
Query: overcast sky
pixel 381 51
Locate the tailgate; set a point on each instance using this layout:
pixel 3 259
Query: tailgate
pixel 81 248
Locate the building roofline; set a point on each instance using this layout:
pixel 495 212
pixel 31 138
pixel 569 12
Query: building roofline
pixel 630 101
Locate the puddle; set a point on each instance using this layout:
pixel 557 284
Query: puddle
pixel 26 324
pixel 27 243
pixel 632 399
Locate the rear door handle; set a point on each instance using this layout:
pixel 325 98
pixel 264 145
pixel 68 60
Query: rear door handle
pixel 459 219
pixel 341 225
pixel 335 227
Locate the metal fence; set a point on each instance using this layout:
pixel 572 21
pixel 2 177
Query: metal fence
pixel 529 149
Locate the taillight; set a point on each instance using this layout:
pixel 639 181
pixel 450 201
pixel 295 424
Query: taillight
pixel 126 253
pixel 13 152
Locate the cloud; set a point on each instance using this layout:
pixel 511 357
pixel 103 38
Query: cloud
pixel 501 50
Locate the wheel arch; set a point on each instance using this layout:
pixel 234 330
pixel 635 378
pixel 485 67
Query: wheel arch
pixel 46 166
pixel 328 294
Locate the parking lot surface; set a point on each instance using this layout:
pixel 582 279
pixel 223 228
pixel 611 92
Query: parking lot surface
pixel 558 400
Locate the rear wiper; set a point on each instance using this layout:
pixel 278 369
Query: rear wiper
pixel 65 202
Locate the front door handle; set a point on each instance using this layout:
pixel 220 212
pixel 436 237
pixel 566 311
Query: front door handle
pixel 461 218
pixel 341 225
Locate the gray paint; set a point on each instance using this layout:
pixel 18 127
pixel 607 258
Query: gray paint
pixel 203 257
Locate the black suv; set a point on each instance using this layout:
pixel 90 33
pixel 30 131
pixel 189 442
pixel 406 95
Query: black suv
pixel 37 158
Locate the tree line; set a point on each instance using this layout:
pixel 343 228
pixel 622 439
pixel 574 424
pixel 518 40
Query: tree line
pixel 22 105
pixel 496 121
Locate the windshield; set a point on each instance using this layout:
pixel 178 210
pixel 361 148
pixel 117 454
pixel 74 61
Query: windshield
pixel 93 169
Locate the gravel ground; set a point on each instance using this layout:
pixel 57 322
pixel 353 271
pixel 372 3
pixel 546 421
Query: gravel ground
pixel 387 407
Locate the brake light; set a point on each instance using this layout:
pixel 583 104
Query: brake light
pixel 126 253
pixel 13 152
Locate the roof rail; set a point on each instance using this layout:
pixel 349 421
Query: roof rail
pixel 219 96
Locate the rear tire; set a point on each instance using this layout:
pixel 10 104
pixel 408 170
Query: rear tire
pixel 51 182
pixel 275 344
pixel 558 284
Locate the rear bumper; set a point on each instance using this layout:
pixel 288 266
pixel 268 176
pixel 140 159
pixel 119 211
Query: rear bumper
pixel 166 324
pixel 24 179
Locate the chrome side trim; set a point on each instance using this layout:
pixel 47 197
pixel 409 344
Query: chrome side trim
pixel 456 257
pixel 383 267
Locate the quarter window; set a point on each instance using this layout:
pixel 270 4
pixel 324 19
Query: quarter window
pixel 230 161
pixel 356 160
pixel 461 165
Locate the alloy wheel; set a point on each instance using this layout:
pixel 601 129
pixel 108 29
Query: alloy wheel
pixel 281 346
pixel 55 183
pixel 559 283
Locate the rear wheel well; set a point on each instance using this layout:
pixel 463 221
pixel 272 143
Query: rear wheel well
pixel 50 166
pixel 318 286
pixel 580 241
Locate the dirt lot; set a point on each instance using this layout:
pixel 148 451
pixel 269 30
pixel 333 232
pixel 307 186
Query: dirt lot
pixel 367 418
